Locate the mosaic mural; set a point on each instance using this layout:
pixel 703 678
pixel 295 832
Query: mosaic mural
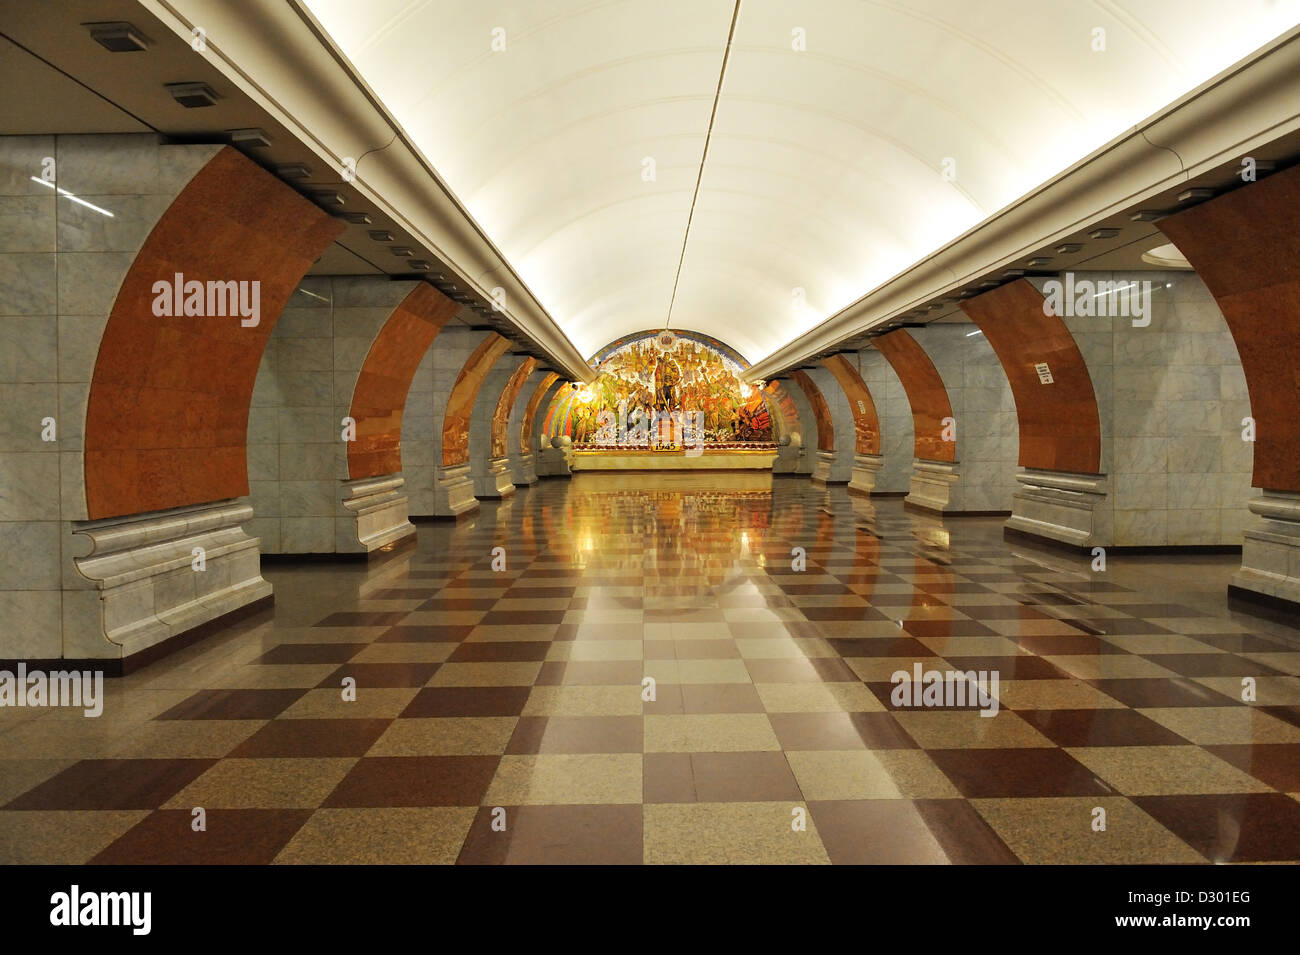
pixel 664 391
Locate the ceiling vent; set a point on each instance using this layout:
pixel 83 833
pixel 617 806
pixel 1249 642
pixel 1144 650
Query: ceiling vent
pixel 118 36
pixel 193 95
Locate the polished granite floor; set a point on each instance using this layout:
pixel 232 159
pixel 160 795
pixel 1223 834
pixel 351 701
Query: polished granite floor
pixel 499 714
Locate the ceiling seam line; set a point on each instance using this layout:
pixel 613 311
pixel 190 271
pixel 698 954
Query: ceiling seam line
pixel 708 135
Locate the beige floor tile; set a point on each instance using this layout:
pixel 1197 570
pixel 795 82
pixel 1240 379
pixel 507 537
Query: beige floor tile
pixel 431 836
pixel 1054 695
pixel 371 703
pixel 1212 725
pixel 967 729
pixel 1109 666
pixel 1165 770
pixel 730 833
pixel 446 736
pixel 263 784
pixel 486 674
pixel 584 701
pixel 842 774
pixel 1059 831
pixel 60 838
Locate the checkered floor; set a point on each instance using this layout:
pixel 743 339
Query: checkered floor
pixel 499 714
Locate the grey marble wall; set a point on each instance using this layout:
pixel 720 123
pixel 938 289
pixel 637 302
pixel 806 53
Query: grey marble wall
pixel 897 445
pixel 988 435
pixel 842 418
pixel 805 427
pixel 61 265
pixel 1171 396
pixel 426 405
pixel 485 406
pixel 296 455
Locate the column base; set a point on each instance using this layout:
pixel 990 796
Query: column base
pixel 822 470
pixel 497 482
pixel 524 469
pixel 934 486
pixel 1067 508
pixel 1270 556
pixel 865 467
pixel 137 582
pixel 553 462
pixel 377 515
pixel 453 491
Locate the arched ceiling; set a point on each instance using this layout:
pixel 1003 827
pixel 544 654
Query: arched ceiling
pixel 825 168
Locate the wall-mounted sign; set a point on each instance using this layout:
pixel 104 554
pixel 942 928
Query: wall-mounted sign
pixel 1044 373
pixel 862 406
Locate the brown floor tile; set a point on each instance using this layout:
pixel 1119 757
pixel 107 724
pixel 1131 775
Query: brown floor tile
pixel 719 777
pixel 989 773
pixel 432 634
pixel 1101 727
pixel 384 675
pixel 1245 827
pixel 1144 693
pixel 1277 764
pixel 964 836
pixel 393 781
pixel 876 832
pixel 312 738
pixel 113 784
pixel 233 705
pixel 468 701
pixel 311 653
pixel 500 652
pixel 835 731
pixel 232 837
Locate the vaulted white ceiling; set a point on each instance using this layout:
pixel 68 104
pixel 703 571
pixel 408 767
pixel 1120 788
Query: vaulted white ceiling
pixel 900 125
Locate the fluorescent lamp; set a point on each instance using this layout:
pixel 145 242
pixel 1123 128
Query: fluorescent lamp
pixel 68 195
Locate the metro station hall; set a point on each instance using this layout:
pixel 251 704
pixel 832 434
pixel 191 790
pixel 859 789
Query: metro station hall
pixel 635 432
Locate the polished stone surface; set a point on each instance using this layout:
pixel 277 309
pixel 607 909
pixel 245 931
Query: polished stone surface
pixel 772 735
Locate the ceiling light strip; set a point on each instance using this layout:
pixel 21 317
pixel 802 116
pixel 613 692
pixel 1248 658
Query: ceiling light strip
pixel 717 95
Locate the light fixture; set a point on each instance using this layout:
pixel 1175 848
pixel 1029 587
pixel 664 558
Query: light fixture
pixel 381 235
pixel 1038 260
pixel 1068 248
pixel 402 251
pixel 193 95
pixel 976 332
pixel 356 218
pixel 293 170
pixel 68 195
pixel 420 265
pixel 118 36
pixel 1189 194
pixel 1103 233
pixel 252 138
pixel 1146 215
pixel 330 198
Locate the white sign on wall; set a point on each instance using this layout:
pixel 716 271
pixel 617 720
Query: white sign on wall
pixel 1044 373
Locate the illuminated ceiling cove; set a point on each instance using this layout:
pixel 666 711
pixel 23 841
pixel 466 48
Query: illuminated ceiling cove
pixel 850 139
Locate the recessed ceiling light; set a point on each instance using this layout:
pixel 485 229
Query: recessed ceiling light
pixel 1188 194
pixel 356 218
pixel 1103 233
pixel 381 235
pixel 253 138
pixel 420 265
pixel 193 95
pixel 1067 248
pixel 1013 274
pixel 1146 215
pixel 293 170
pixel 118 36
pixel 402 251
pixel 329 198
pixel 1038 260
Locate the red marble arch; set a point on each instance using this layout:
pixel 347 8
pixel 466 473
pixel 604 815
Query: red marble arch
pixel 866 424
pixel 925 393
pixel 379 398
pixel 821 413
pixel 1060 427
pixel 1245 246
pixel 781 407
pixel 167 415
pixel 460 403
pixel 530 412
pixel 501 416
